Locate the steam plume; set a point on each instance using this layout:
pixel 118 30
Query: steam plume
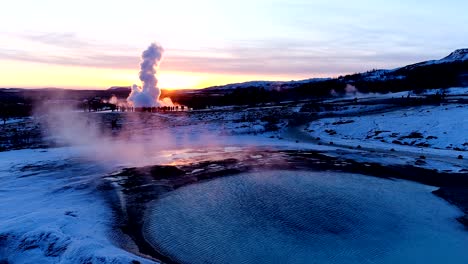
pixel 148 95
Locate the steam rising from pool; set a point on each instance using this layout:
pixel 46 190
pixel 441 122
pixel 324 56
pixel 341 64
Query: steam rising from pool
pixel 305 217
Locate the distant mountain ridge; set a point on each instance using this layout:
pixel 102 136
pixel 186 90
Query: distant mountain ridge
pixel 268 85
pixel 450 71
pixel 381 75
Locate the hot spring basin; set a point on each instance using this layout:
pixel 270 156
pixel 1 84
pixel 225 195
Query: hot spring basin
pixel 306 217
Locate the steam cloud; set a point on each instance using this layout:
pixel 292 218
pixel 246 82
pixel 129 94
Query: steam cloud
pixel 351 90
pixel 134 144
pixel 148 95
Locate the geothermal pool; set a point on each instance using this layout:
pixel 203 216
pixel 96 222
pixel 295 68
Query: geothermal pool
pixel 306 217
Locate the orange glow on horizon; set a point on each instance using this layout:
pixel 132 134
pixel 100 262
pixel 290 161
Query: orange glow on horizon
pixel 36 75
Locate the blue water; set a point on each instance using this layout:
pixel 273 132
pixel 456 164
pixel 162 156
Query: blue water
pixel 306 217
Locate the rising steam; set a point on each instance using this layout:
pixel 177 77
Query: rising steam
pixel 133 141
pixel 148 95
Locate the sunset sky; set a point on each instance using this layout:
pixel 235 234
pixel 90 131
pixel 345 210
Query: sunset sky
pixel 97 44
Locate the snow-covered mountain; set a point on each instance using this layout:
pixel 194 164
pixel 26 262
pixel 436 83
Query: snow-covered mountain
pixel 267 85
pixel 455 64
pixel 458 55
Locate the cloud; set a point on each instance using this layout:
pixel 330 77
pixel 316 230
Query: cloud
pixel 66 40
pixel 286 57
pixel 283 57
pixel 90 60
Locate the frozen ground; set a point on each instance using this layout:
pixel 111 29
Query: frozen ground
pixel 51 211
pixel 438 127
pixel 424 131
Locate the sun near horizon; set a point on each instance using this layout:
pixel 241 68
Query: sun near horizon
pixel 73 77
pixel 13 74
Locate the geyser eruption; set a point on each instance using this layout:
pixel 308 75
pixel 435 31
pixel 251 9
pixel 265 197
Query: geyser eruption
pixel 148 94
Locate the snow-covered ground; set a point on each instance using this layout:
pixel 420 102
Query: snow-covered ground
pixel 51 211
pixel 421 129
pixel 448 91
pixel 14 120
